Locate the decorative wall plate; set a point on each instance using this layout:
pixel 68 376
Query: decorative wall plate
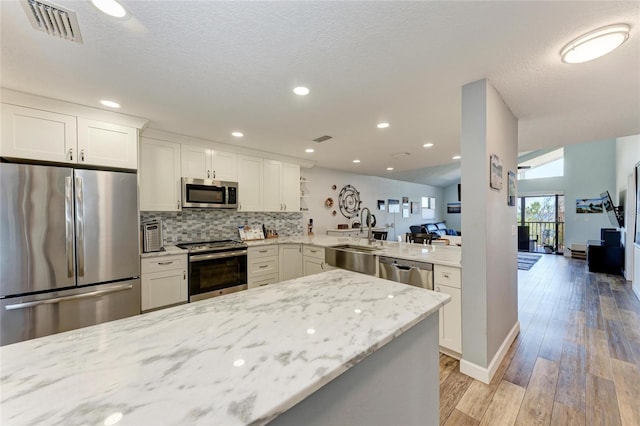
pixel 328 203
pixel 334 187
pixel 333 213
pixel 349 201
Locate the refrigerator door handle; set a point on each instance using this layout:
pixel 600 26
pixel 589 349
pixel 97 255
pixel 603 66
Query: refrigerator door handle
pixel 68 221
pixel 55 300
pixel 80 226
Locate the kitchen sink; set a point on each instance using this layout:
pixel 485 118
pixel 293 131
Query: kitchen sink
pixel 353 257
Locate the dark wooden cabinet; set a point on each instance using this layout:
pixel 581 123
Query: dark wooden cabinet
pixel 605 258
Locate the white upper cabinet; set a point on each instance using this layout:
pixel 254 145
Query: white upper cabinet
pixel 224 165
pixel 205 163
pixel 159 175
pixel 38 135
pixel 272 186
pixel 107 144
pixel 291 187
pixel 196 162
pixel 47 136
pixel 249 183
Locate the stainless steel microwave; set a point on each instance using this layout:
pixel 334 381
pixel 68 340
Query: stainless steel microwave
pixel 209 194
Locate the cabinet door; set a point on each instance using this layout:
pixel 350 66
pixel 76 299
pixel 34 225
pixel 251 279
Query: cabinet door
pixel 451 319
pixel 290 261
pixel 249 183
pixel 196 162
pixel 159 175
pixel 38 135
pixel 164 288
pixel 272 186
pixel 107 144
pixel 291 187
pixel 224 165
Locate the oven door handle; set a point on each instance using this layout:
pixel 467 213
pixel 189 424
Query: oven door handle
pixel 202 257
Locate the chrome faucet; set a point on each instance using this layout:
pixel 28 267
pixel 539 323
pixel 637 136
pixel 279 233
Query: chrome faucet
pixel 370 238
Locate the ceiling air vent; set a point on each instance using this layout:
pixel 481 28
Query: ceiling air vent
pixel 53 20
pixel 322 138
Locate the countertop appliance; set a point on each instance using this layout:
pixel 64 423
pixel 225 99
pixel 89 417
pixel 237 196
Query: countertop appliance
pixel 209 194
pixel 216 268
pixel 152 236
pixel 419 274
pixel 70 255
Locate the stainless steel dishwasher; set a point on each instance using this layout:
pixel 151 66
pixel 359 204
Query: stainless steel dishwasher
pixel 419 274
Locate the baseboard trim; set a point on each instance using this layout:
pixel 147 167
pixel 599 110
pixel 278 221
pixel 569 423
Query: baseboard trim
pixel 636 289
pixel 486 374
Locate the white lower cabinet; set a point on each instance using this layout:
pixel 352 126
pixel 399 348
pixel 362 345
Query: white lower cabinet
pixel 448 280
pixel 262 265
pixel 163 281
pixel 313 260
pixel 290 261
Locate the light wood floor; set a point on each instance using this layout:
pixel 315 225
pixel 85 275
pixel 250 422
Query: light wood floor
pixel 576 360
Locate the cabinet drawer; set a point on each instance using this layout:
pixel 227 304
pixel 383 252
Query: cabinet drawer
pixel 263 280
pixel 446 275
pixel 163 263
pixel 263 251
pixel 263 266
pixel 314 251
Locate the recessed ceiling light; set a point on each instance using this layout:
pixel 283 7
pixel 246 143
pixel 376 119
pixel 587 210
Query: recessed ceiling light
pixel 382 125
pixel 427 145
pixel 356 161
pixel 309 150
pixel 301 91
pixel 389 168
pixel 110 7
pixel 456 157
pixel 110 104
pixel 594 44
pixel 237 134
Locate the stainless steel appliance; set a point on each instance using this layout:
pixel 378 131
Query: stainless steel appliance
pixel 152 236
pixel 353 257
pixel 211 194
pixel 216 268
pixel 69 241
pixel 419 274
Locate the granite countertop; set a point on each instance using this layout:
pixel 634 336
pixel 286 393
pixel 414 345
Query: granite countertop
pixel 239 359
pixel 437 254
pixel 168 251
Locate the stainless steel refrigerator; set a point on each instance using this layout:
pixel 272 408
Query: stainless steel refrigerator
pixel 69 249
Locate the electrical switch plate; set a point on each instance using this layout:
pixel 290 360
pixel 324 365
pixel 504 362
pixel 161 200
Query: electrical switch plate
pixel 513 230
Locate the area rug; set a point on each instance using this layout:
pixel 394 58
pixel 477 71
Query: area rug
pixel 527 260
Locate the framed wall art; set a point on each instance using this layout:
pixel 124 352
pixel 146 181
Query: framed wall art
pixel 511 196
pixel 496 172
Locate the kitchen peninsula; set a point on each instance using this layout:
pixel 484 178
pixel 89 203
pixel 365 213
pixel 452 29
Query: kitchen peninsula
pixel 336 347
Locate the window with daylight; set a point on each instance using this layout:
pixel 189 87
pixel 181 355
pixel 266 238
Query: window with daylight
pixel 428 208
pixel 550 164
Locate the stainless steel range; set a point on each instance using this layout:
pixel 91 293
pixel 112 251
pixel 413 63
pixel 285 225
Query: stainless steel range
pixel 216 268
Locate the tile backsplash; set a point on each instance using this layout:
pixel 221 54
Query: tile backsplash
pixel 192 225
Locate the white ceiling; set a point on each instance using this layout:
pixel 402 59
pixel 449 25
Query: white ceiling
pixel 206 69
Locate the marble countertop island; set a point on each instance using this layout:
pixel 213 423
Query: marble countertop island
pixel 244 358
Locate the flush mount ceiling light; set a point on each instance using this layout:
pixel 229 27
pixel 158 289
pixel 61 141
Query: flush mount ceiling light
pixel 309 150
pixel 237 134
pixel 110 104
pixel 382 125
pixel 427 145
pixel 301 91
pixel 389 169
pixel 110 7
pixel 356 161
pixel 456 157
pixel 595 44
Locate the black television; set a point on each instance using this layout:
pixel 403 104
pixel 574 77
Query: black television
pixel 615 213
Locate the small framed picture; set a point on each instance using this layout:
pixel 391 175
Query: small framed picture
pixel 511 196
pixel 454 208
pixel 394 206
pixel 381 205
pixel 415 207
pixel 496 172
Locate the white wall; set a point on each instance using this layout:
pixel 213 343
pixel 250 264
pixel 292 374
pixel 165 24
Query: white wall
pixel 372 189
pixel 627 155
pixel 489 259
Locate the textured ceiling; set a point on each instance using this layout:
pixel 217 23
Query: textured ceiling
pixel 207 68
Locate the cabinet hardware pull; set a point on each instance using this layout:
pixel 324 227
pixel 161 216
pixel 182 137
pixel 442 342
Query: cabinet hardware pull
pixel 184 275
pixel 208 174
pixel 178 204
pixel 70 154
pixel 82 155
pixel 313 251
pixel 165 263
pixel 263 266
pixel 445 274
pixel 438 289
pixel 214 174
pixel 262 251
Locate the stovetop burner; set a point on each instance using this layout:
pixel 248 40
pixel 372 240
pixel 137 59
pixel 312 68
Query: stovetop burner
pixel 211 246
